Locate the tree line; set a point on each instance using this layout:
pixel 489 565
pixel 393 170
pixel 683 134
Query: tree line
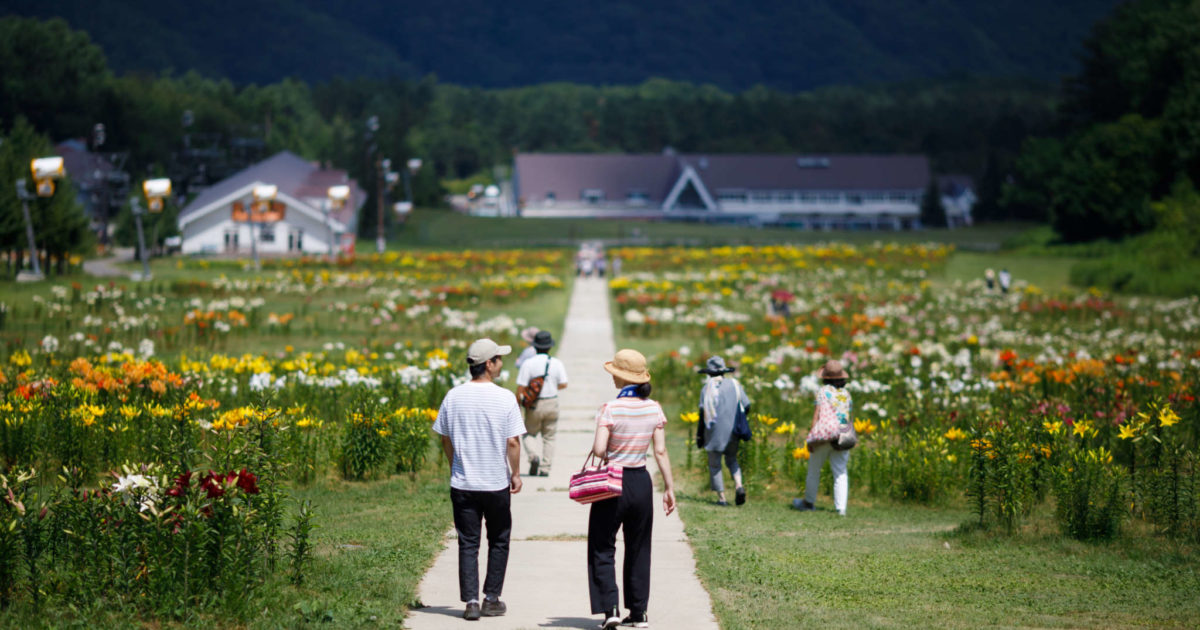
pixel 198 130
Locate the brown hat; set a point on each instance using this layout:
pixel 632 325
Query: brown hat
pixel 629 365
pixel 833 370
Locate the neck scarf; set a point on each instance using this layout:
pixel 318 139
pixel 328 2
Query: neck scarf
pixel 629 391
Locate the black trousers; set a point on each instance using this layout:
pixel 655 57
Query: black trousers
pixel 633 510
pixel 471 508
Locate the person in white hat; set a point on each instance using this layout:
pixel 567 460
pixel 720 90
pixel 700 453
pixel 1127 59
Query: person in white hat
pixel 529 352
pixel 481 427
pixel 625 429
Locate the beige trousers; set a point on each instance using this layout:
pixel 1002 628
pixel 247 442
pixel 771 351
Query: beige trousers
pixel 541 425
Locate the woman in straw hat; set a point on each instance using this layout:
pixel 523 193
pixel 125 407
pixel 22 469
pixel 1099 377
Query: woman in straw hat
pixel 625 429
pixel 833 409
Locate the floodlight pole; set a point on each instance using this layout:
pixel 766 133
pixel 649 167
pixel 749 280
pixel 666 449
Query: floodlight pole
pixel 25 196
pixel 138 211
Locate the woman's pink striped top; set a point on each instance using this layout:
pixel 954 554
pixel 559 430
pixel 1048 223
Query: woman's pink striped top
pixel 631 423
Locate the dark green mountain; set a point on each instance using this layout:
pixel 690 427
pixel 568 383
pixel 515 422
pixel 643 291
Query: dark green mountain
pixel 788 44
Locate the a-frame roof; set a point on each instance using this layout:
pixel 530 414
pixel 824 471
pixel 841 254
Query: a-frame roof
pixel 296 177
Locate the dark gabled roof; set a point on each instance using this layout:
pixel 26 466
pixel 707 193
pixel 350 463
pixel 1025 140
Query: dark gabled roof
pixel 810 172
pixel 295 177
pixel 568 174
pixel 80 163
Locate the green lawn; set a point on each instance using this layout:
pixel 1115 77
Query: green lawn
pixel 893 565
pixel 447 229
pixel 1049 273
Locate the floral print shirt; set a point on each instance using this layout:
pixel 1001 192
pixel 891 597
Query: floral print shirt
pixel 833 410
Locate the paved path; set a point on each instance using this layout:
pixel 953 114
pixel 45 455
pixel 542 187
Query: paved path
pixel 546 585
pixel 107 267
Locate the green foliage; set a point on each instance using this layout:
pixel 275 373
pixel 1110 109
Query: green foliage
pixel 1087 488
pixel 776 42
pixel 60 228
pixel 933 213
pixel 1163 262
pixel 1130 126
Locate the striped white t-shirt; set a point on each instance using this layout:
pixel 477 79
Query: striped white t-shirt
pixel 631 423
pixel 479 418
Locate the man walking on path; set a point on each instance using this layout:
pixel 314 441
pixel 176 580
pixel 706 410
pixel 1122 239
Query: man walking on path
pixel 541 421
pixel 480 425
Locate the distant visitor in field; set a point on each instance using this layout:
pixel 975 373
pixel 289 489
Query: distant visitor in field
pixel 528 353
pixel 625 428
pixel 539 382
pixel 989 277
pixel 722 399
pixel 481 426
pixel 1005 280
pixel 831 421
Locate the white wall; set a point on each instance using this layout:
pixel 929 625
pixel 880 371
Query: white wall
pixel 206 234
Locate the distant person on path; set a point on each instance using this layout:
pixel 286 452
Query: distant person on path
pixel 833 408
pixel 625 428
pixel 526 354
pixel 541 421
pixel 720 398
pixel 616 266
pixel 601 263
pixel 481 427
pixel 989 277
pixel 1005 280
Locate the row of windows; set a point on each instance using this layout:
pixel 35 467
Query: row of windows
pixel 595 196
pixel 640 197
pixel 816 197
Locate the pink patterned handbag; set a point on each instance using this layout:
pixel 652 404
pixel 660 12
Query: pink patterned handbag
pixel 595 483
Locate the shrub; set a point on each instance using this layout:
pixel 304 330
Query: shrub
pixel 1088 490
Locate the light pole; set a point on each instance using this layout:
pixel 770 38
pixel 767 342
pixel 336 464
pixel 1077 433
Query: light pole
pixel 45 171
pixel 414 165
pixel 136 207
pixel 336 198
pixel 155 190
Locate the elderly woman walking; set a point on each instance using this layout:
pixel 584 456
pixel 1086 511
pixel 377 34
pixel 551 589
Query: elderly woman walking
pixel 625 428
pixel 833 410
pixel 721 398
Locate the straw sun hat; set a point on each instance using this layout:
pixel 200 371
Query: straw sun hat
pixel 629 365
pixel 833 371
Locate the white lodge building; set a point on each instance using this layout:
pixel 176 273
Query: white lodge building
pixel 844 191
pixel 308 226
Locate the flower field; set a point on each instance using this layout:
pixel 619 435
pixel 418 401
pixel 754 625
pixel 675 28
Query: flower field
pixel 149 433
pixel 1015 400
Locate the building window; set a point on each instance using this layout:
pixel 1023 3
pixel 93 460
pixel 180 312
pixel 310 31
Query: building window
pixel 809 197
pixel 854 199
pixel 266 233
pixel 592 195
pixel 731 196
pixel 831 197
pixel 637 198
pixel 785 196
pixel 761 196
pixel 899 197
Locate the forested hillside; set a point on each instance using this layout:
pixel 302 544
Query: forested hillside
pixel 785 44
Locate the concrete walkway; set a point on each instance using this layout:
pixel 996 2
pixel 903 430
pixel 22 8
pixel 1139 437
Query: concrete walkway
pixel 546 584
pixel 107 267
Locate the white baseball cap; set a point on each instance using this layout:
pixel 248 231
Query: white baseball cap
pixel 484 349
